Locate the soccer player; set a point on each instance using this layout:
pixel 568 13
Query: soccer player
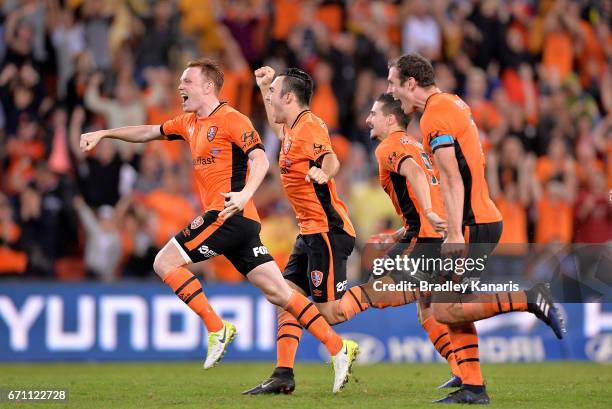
pixel 317 266
pixel 229 164
pixel 450 133
pixel 407 176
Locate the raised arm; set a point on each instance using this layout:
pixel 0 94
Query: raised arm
pixel 264 77
pixel 134 134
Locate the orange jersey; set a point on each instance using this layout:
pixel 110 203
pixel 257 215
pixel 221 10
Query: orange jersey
pixel 390 155
pixel 220 144
pixel 447 121
pixel 317 207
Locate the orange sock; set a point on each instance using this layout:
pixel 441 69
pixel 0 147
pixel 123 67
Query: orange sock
pixel 489 305
pixel 307 314
pixel 188 288
pixel 288 339
pixel 352 302
pixel 464 340
pixel 438 334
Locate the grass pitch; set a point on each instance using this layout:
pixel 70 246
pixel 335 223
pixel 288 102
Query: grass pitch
pixel 187 385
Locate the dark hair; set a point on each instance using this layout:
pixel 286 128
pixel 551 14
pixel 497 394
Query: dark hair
pixel 298 82
pixel 416 66
pixel 392 106
pixel 211 70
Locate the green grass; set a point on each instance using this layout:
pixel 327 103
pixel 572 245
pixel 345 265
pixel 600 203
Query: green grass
pixel 187 385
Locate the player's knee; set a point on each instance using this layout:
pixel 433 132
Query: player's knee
pixel 162 265
pixel 443 314
pixel 331 312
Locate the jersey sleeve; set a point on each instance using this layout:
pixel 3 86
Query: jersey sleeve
pixel 321 143
pixel 436 130
pixel 390 157
pixel 176 128
pixel 242 133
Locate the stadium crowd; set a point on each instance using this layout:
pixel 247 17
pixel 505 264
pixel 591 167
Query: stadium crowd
pixel 536 74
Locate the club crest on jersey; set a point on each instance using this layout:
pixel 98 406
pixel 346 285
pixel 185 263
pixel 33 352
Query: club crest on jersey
pixel 287 146
pixel 190 131
pixel 212 132
pixel 317 277
pixel 197 222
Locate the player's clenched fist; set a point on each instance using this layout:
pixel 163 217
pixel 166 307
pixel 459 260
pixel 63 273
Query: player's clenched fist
pixel 264 76
pixel 317 175
pixel 90 140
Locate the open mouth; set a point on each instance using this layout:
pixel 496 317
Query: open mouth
pixel 185 97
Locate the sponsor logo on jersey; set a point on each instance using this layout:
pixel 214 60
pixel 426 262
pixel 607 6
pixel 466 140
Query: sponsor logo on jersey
pixel 248 139
pixel 261 250
pixel 204 160
pixel 206 251
pixel 317 277
pixel 318 148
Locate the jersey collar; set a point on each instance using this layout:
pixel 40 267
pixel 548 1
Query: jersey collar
pixel 214 111
pixel 429 97
pixel 300 115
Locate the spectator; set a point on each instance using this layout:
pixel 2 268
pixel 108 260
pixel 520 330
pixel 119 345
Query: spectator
pixel 103 243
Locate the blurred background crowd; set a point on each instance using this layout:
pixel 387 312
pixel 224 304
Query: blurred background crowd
pixel 536 74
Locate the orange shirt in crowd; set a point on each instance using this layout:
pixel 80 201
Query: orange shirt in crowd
pixel 173 212
pixel 515 221
pixel 554 222
pixel 546 169
pixel 238 89
pixel 485 115
pixel 331 17
pixel 324 105
pixel 12 261
pixel 286 16
pixel 558 54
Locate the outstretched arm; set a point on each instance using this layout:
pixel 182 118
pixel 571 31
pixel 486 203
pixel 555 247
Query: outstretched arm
pixel 134 134
pixel 264 77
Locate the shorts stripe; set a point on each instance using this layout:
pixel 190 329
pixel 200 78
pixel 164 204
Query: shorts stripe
pixel 331 294
pixel 182 251
pixel 204 234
